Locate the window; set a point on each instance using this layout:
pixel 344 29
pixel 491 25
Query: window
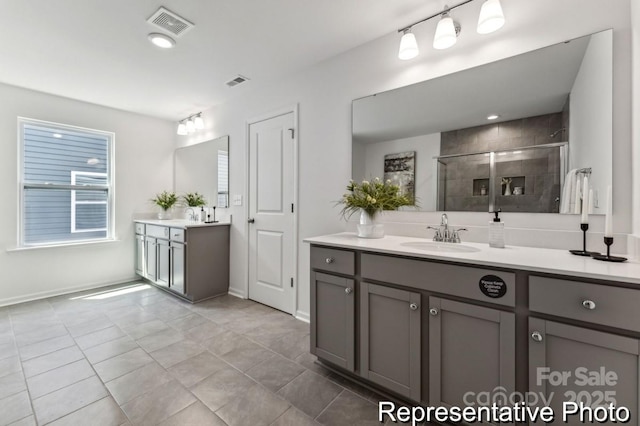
pixel 66 184
pixel 223 178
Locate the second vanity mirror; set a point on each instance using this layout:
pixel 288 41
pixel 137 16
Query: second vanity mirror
pixel 204 168
pixel 517 134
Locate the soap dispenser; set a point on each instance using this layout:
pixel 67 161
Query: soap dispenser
pixel 496 231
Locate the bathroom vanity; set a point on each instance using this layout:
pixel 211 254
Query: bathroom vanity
pixel 430 322
pixel 190 260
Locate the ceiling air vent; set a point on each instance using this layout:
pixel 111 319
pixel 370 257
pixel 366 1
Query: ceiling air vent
pixel 238 80
pixel 169 21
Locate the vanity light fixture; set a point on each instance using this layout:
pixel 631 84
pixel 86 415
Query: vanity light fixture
pixel 190 124
pixel 491 19
pixel 162 40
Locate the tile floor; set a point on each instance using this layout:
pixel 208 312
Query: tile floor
pixel 132 354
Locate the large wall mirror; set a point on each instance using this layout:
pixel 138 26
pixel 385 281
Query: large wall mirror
pixel 204 168
pixel 518 134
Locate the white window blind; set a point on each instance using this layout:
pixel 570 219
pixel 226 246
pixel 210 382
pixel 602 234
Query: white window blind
pixel 223 178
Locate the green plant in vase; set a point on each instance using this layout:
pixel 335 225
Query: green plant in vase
pixel 165 200
pixel 193 199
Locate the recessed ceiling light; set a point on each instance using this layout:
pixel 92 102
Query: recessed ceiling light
pixel 57 135
pixel 492 116
pixel 162 40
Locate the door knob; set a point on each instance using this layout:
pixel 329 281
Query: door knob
pixel 536 336
pixel 251 220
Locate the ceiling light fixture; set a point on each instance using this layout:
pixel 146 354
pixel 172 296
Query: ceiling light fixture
pixel 190 124
pixel 162 40
pixel 491 19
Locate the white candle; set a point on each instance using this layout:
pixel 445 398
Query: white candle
pixel 608 222
pixel 585 200
pixel 591 201
pixel 576 205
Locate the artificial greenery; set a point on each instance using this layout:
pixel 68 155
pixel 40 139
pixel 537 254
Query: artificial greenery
pixel 373 197
pixel 165 200
pixel 193 199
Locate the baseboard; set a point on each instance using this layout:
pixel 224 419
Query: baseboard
pixel 59 292
pixel 303 316
pixel 235 293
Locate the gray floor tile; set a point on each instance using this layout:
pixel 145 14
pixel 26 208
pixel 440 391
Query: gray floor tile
pixel 225 342
pixel 69 399
pixel 294 417
pixel 159 340
pixel 204 331
pixel 122 364
pixel 159 404
pixel 221 387
pixel 8 350
pixel 247 355
pixel 187 322
pixel 309 361
pixel 349 409
pixel 12 384
pixel 140 381
pixel 256 406
pixel 310 392
pixel 59 378
pixel 40 334
pixel 351 385
pixel 98 337
pixel 132 317
pixel 177 352
pixel 194 415
pixel 192 370
pixel 110 349
pixel 27 421
pixel 89 325
pixel 104 412
pixel 14 408
pixel 52 360
pixel 275 372
pixel 46 347
pixel 138 331
pixel 9 366
pixel 167 311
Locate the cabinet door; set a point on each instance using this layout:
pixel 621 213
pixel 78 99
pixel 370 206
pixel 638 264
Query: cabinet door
pixel 390 338
pixel 471 349
pixel 151 252
pixel 140 252
pixel 177 267
pixel 333 319
pixel 164 261
pixel 562 358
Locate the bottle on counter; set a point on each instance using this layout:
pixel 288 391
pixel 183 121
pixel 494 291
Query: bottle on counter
pixel 496 231
pixel 203 216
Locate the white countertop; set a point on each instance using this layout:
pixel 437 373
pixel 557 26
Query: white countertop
pixel 180 223
pixel 525 258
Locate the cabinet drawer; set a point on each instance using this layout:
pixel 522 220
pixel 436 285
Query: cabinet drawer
pixel 486 285
pixel 177 234
pixel 333 260
pixel 601 304
pixel 140 228
pixel 158 231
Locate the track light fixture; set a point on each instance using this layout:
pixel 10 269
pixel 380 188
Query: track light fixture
pixel 190 124
pixel 491 19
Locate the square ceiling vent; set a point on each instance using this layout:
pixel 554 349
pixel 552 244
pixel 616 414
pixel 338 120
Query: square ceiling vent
pixel 169 21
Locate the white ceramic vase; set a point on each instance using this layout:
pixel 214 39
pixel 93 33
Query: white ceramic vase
pixel 368 228
pixel 164 214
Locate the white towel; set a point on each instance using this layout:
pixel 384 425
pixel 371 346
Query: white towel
pixel 570 192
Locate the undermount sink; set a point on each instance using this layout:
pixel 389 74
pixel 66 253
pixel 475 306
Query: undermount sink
pixel 440 247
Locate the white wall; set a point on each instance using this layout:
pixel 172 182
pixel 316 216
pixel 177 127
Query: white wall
pixel 425 146
pixel 143 166
pixel 324 94
pixel 591 115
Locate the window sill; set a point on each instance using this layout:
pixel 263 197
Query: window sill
pixel 61 245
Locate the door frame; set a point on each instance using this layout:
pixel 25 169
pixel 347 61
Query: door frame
pixel 263 117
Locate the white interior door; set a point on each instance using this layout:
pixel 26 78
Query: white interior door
pixel 271 216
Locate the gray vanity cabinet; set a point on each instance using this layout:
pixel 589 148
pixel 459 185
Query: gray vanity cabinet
pixel 177 267
pixel 151 254
pixel 557 349
pixel 390 338
pixel 471 349
pixel 140 257
pixel 164 260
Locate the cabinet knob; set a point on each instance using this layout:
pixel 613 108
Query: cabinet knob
pixel 413 306
pixel 348 290
pixel 536 336
pixel 329 260
pixel 589 304
pixel 433 311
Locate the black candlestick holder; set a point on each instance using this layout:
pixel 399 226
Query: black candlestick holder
pixel 584 252
pixel 608 258
pixel 214 217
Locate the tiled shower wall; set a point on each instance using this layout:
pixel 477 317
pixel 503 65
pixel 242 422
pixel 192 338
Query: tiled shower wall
pixel 537 172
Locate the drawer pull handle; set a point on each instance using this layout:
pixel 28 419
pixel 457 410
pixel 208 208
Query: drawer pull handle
pixel 413 306
pixel 536 336
pixel 348 290
pixel 589 304
pixel 176 235
pixel 433 311
pixel 329 260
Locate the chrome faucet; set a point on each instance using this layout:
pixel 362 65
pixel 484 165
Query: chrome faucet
pixel 192 215
pixel 444 234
